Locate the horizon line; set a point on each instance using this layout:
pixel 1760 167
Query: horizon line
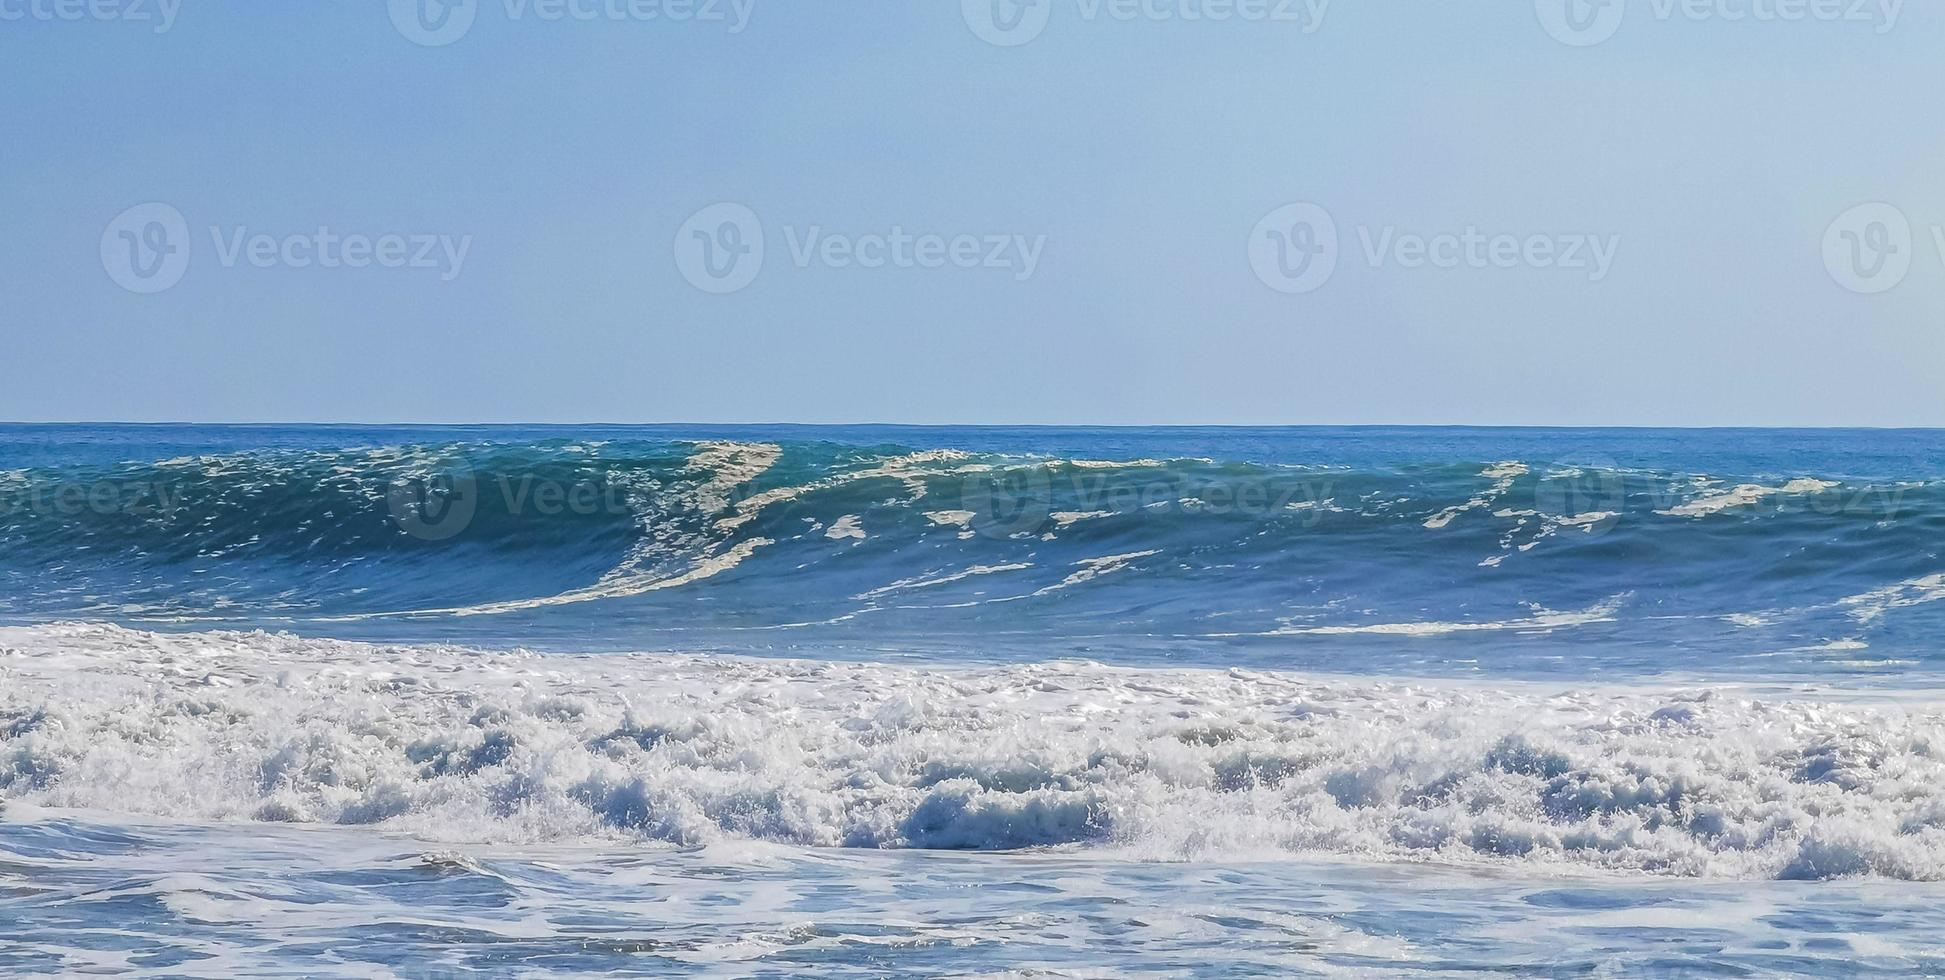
pixel 976 425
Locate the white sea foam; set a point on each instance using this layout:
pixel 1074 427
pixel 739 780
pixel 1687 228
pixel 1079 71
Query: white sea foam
pixel 1116 464
pixel 310 901
pixel 1066 518
pixel 1328 505
pixel 1744 495
pixel 1541 620
pixel 928 581
pixel 464 745
pixel 1548 526
pixel 610 587
pixel 961 519
pixel 912 469
pixel 1089 569
pixel 1503 476
pixel 845 527
pixel 727 466
pixel 723 468
pixel 1871 606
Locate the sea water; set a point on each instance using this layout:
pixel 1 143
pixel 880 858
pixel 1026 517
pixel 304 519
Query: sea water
pixel 957 701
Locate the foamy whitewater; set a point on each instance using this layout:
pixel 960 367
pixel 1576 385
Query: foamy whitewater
pixel 970 702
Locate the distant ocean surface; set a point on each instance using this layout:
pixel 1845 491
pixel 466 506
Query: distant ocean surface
pixel 967 701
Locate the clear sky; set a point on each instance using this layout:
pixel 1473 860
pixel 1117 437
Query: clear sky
pixel 1638 214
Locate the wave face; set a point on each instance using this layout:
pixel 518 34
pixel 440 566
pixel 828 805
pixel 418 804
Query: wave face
pixel 1150 764
pixel 1515 552
pixel 1147 645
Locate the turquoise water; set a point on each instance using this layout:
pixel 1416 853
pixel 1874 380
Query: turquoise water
pixel 1288 548
pixel 964 701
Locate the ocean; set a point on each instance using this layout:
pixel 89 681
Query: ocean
pixel 956 701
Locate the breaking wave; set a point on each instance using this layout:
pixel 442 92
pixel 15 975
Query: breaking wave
pixel 747 545
pixel 454 744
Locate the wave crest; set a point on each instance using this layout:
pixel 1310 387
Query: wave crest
pixel 1147 764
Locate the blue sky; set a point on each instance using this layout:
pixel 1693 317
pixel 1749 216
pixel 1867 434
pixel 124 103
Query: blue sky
pixel 1660 227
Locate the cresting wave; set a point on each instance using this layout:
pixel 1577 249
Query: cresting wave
pixel 604 541
pixel 461 745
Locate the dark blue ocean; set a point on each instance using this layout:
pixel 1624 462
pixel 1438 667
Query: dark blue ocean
pixel 738 700
pixel 1506 552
